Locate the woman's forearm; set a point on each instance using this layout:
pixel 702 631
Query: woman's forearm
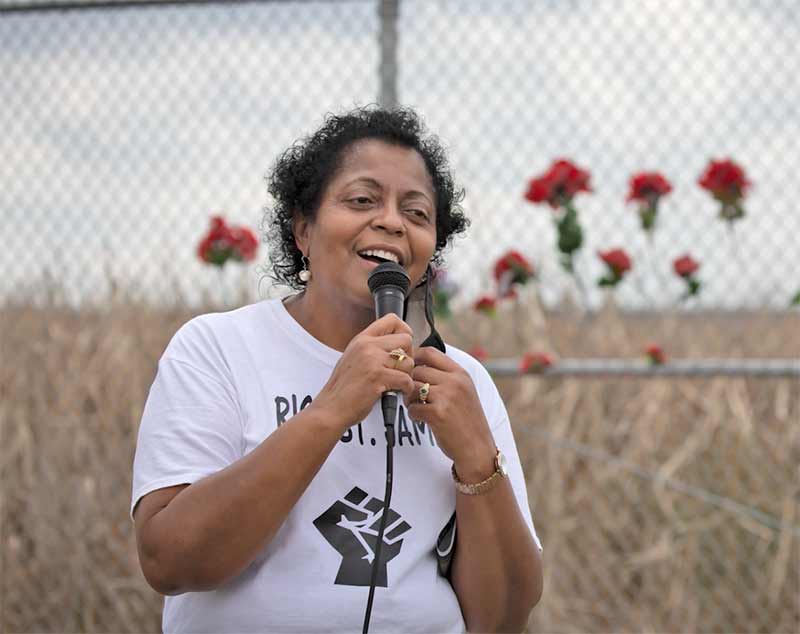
pixel 212 530
pixel 497 568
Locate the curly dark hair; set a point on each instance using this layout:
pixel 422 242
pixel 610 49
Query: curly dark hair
pixel 300 175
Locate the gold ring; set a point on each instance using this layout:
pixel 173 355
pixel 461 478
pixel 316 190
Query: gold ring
pixel 424 390
pixel 398 354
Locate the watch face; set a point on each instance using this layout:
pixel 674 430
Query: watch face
pixel 502 463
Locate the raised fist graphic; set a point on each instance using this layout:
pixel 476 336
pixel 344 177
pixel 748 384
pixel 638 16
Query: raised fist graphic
pixel 351 525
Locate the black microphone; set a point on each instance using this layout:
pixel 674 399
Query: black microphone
pixel 388 282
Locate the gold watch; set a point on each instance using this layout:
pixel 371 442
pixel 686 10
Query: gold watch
pixel 500 471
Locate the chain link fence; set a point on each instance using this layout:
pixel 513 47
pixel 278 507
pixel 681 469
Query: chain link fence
pixel 126 127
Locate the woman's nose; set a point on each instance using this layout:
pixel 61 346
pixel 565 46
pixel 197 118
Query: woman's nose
pixel 390 218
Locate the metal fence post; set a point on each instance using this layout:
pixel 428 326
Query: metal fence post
pixel 388 11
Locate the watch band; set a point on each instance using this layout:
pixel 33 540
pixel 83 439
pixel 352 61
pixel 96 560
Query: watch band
pixel 486 485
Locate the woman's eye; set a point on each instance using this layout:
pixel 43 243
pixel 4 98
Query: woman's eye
pixel 419 213
pixel 361 200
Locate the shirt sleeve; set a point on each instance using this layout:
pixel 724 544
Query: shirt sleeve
pixel 191 425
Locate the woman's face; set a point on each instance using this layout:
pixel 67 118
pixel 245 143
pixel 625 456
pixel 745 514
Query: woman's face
pixel 380 202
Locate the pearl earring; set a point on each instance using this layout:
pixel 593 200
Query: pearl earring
pixel 305 274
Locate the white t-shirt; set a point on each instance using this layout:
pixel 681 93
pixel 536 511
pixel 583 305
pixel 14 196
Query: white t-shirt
pixel 228 380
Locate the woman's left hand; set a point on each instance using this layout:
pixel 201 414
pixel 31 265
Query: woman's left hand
pixel 454 413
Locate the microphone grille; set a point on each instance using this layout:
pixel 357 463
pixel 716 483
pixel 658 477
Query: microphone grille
pixel 388 274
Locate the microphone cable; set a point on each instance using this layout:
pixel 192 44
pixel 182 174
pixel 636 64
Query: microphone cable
pixel 388 282
pixel 390 407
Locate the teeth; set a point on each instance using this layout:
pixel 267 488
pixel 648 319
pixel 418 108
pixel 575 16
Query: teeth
pixel 378 253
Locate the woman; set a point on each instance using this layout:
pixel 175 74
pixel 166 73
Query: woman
pixel 260 467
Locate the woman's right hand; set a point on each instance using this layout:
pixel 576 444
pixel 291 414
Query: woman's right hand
pixel 366 370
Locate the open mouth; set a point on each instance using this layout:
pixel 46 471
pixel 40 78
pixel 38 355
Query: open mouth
pixel 378 256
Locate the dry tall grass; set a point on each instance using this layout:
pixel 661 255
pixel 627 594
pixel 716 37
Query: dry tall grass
pixel 623 552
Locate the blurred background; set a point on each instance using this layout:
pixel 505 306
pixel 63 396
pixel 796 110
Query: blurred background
pixel 666 501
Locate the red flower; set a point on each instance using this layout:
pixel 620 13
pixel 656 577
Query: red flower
pixel 215 247
pixel 535 362
pixel 244 244
pixel 512 261
pixel 512 268
pixel 204 249
pixel 223 242
pixel 219 230
pixel 479 352
pixel 486 304
pixel 685 266
pixel 655 354
pixel 725 180
pixel 647 187
pixel 617 260
pixel 558 184
pixel 618 264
